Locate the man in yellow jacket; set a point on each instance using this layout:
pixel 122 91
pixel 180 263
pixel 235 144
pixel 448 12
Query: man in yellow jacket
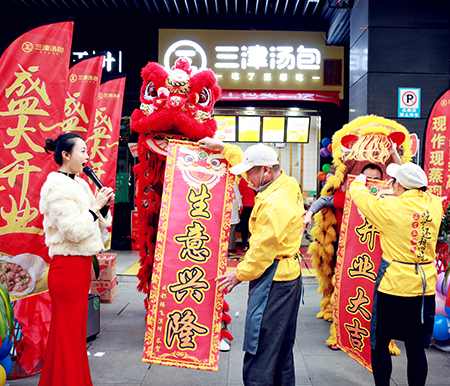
pixel 403 304
pixel 271 264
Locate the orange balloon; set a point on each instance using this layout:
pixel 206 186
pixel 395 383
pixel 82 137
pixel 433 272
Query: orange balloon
pixel 321 176
pixel 330 148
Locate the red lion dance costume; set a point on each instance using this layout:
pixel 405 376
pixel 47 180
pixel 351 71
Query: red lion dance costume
pixel 179 106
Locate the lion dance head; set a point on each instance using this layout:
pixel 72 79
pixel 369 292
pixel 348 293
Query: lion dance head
pixel 365 140
pixel 175 105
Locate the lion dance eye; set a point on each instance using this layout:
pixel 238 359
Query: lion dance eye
pixel 215 162
pixel 150 91
pixel 205 97
pixel 189 158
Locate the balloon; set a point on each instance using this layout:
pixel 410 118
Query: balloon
pixel 330 148
pixel 326 168
pixel 323 183
pixel 5 348
pixel 441 330
pixel 326 141
pixel 440 280
pixel 6 363
pixel 321 176
pixel 440 304
pixel 2 376
pixel 324 152
pixel 329 175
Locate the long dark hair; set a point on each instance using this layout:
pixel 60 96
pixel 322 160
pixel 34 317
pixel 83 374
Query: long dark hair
pixel 64 142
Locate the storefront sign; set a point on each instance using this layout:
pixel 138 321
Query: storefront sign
pixel 185 306
pixel 258 60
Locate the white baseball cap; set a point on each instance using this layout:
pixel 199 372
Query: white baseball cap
pixel 256 155
pixel 409 175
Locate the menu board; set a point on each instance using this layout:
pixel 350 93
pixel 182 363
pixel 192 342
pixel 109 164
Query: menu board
pixel 297 129
pixel 226 128
pixel 273 129
pixel 249 129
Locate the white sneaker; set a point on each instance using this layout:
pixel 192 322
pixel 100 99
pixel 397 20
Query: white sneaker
pixel 224 346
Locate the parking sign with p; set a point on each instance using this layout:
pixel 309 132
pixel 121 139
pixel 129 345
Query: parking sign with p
pixel 409 102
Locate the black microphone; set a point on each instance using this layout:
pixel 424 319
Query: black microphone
pixel 90 173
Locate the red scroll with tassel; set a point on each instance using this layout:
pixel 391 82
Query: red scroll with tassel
pixel 185 308
pixel 358 259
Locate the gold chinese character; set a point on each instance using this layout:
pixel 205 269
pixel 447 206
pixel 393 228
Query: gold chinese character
pixel 13 170
pixel 367 234
pixel 19 132
pixel 199 202
pixel 438 140
pixel 190 280
pixel 439 123
pixel 182 325
pixel 435 175
pixel 362 266
pixel 194 240
pixel 437 158
pixel 21 89
pixel 357 304
pixel 17 220
pixel 356 334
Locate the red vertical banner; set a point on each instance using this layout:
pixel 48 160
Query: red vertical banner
pixel 185 308
pixel 81 99
pixel 358 259
pixel 33 76
pixel 437 143
pixel 103 136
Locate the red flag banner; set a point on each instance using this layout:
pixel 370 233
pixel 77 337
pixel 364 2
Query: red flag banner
pixel 33 76
pixel 185 308
pixel 437 143
pixel 81 100
pixel 103 136
pixel 358 259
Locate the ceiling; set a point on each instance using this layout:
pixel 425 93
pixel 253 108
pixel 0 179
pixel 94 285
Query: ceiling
pixel 329 16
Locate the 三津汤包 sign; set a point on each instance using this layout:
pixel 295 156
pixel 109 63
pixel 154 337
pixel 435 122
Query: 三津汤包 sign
pixel 258 60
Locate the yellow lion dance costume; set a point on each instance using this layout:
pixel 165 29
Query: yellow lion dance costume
pixel 365 140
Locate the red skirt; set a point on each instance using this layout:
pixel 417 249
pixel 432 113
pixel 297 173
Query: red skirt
pixel 66 362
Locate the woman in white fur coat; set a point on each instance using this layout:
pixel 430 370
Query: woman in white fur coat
pixel 73 219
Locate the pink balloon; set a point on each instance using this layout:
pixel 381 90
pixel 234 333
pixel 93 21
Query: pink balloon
pixel 440 304
pixel 440 279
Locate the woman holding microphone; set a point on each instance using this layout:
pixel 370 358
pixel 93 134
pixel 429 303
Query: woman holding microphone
pixel 403 304
pixel 73 219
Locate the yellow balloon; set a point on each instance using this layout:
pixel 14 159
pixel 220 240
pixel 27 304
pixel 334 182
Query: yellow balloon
pixel 2 376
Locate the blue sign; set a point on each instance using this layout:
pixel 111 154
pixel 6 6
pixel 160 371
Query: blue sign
pixel 409 103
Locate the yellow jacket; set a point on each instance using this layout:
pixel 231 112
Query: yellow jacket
pixel 409 227
pixel 275 224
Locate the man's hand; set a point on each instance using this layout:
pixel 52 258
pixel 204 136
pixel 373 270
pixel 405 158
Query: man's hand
pixel 361 178
pixel 393 152
pixel 308 219
pixel 227 282
pixel 212 144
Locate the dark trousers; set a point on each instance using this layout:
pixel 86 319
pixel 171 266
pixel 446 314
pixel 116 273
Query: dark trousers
pixel 273 363
pixel 245 217
pixel 400 318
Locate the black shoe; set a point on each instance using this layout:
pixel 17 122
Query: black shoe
pixel 232 250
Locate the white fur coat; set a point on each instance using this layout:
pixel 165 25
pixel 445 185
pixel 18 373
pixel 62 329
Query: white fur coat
pixel 69 227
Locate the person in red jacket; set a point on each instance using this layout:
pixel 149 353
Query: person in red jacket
pixel 248 202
